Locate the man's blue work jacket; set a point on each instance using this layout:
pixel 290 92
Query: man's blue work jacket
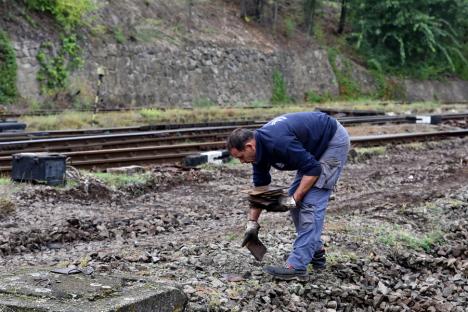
pixel 292 142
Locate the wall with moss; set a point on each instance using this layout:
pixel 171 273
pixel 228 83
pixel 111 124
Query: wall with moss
pixel 8 69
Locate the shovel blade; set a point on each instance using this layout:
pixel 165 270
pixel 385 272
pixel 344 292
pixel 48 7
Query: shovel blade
pixel 256 248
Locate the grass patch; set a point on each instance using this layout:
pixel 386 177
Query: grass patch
pixel 203 103
pixel 279 90
pixel 119 35
pixel 416 146
pixel 337 257
pixel 6 206
pixel 121 180
pixel 232 237
pixel 233 162
pixel 5 181
pixel 396 236
pixel 364 153
pixel 82 120
pixel 150 114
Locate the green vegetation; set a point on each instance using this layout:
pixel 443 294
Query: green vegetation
pixel 420 38
pixel 6 206
pixel 397 237
pixel 335 257
pixel 279 91
pixel 55 67
pixel 122 180
pixel 68 13
pixel 83 120
pixel 203 102
pixel 363 153
pixel 349 89
pixel 57 62
pixel 5 181
pixel 314 97
pixel 7 70
pixel 119 35
pixel 289 27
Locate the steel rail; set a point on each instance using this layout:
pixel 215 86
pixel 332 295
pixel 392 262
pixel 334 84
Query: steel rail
pixel 116 140
pixel 172 153
pixel 20 136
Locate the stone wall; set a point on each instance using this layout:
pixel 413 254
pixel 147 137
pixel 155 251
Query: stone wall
pixel 168 75
pixel 443 91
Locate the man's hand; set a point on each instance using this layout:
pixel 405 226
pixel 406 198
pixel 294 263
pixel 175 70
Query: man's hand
pixel 251 232
pixel 288 202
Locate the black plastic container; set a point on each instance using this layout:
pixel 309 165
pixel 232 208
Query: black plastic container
pixel 45 168
pixel 12 126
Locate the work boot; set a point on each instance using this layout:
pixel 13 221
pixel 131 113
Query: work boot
pixel 287 273
pixel 319 260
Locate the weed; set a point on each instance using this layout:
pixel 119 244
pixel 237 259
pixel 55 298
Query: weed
pixel 6 206
pixel 396 236
pixel 68 13
pixel 314 97
pixel 289 27
pixel 415 146
pixel 205 114
pixel 203 103
pixel 119 35
pixel 233 162
pixel 98 30
pixel 56 66
pixel 232 237
pixel 348 88
pixel 5 181
pixel 122 180
pixel 364 153
pixel 279 92
pixel 337 257
pixel 8 68
pixel 84 261
pixel 150 114
pixel 258 104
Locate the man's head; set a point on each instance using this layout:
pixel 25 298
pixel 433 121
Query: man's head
pixel 241 145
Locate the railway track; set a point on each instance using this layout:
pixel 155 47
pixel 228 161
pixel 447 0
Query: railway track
pixel 114 154
pixel 347 121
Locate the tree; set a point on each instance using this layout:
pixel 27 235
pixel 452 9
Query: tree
pixel 412 36
pixel 344 10
pixel 310 7
pixel 252 8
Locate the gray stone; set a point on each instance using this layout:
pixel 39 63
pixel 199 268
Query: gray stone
pixel 443 91
pixel 41 290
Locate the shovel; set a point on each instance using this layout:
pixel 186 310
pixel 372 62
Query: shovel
pixel 256 248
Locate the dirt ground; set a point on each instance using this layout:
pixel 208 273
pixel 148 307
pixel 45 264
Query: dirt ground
pixel 396 233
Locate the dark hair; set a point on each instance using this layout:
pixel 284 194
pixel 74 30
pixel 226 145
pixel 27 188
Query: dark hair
pixel 238 138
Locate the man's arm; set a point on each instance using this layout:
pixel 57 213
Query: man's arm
pixel 306 164
pixel 306 184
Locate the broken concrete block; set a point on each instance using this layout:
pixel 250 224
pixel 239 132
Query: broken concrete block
pixel 42 290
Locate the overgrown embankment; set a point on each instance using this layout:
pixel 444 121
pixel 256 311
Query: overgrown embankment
pixel 75 54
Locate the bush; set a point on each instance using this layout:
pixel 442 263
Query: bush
pixel 279 93
pixel 55 67
pixel 69 13
pixel 418 37
pixel 7 69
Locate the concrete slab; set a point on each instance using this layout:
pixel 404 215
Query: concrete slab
pixel 41 290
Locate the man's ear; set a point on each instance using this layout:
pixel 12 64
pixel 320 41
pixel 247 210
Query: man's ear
pixel 248 145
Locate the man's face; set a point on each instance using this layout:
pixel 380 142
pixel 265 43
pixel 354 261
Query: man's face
pixel 245 156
